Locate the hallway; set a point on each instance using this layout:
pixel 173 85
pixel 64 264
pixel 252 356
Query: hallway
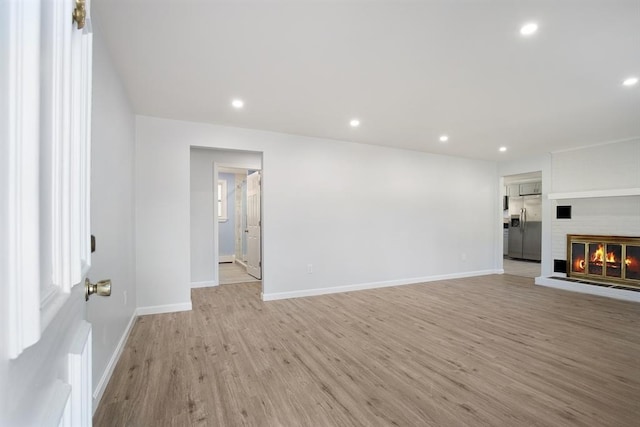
pixel 231 272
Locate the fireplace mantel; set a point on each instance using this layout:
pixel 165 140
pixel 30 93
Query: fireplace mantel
pixel 617 192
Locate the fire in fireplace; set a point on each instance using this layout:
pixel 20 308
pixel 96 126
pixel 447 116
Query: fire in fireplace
pixel 632 262
pixel 604 258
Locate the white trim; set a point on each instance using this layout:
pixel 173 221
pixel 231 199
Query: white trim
pixel 53 304
pixel 372 285
pixel 589 289
pixel 216 225
pixel 63 162
pixel 20 232
pixel 58 407
pixel 86 132
pixel 616 192
pixel 241 262
pixel 599 144
pixel 204 284
pixel 233 170
pixel 168 308
pixel 79 376
pixel 106 375
pixel 226 258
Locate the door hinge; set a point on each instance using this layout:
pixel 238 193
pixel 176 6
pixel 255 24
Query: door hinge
pixel 259 223
pixel 259 263
pixel 79 14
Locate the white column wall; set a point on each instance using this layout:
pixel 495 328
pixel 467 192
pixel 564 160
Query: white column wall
pixel 112 215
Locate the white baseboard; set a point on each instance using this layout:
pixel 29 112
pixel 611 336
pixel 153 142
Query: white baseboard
pixel 588 289
pixel 168 308
pixel 205 284
pixel 372 285
pixel 226 258
pixel 241 262
pixel 106 376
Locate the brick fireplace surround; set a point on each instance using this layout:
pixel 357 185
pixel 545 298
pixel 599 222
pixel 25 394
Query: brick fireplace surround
pixel 601 218
pixel 601 185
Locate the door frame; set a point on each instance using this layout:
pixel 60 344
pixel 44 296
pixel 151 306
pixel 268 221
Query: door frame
pixel 216 224
pixel 527 174
pixel 252 269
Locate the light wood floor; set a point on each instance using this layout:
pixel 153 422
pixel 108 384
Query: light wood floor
pixel 493 350
pixel 231 272
pixel 521 268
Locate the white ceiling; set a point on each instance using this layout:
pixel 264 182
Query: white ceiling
pixel 409 70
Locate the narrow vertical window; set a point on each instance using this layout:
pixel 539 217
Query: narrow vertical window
pixel 222 200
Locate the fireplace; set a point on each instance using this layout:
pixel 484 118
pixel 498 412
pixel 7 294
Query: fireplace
pixel 604 259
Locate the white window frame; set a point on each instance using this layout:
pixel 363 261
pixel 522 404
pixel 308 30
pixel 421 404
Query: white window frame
pixel 221 200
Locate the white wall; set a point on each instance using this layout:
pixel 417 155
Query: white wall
pixel 162 220
pixel 112 211
pixel 203 250
pixel 360 214
pixel 4 211
pixel 603 167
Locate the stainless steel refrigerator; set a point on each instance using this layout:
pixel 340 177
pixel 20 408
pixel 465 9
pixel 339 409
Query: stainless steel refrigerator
pixel 525 227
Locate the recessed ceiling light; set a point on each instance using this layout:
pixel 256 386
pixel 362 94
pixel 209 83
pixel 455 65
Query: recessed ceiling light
pixel 354 123
pixel 502 149
pixel 529 29
pixel 444 138
pixel 237 103
pixel 631 81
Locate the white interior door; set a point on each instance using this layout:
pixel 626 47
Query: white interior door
pixel 254 256
pixel 45 362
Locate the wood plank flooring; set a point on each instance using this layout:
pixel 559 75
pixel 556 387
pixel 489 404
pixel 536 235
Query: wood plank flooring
pixel 521 268
pixel 231 273
pixel 492 350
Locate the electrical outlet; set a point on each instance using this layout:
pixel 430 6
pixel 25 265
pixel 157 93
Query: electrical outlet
pixel 309 268
pixel 124 297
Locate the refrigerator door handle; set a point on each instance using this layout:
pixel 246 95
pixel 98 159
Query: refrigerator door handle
pixel 521 219
pixel 524 217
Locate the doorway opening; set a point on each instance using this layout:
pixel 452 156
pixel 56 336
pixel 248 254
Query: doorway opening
pixel 215 175
pixel 239 225
pixel 522 224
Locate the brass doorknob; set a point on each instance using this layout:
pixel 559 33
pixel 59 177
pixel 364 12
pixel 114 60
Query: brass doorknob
pixel 102 288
